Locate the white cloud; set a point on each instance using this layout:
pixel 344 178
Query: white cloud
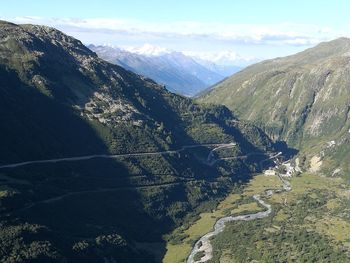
pixel 269 39
pixel 148 50
pixel 224 57
pixel 246 33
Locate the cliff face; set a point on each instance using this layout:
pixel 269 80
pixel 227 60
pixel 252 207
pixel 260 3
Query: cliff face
pixel 303 99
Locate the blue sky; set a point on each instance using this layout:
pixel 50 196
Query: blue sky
pixel 247 28
pixel 236 11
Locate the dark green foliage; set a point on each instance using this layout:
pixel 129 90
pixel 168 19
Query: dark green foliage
pixel 198 256
pixel 17 244
pixel 30 119
pixel 57 99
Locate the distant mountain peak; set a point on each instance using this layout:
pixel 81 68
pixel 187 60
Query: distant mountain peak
pixel 149 50
pixel 178 72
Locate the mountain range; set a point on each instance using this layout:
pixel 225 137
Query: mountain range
pixel 303 99
pixel 126 160
pixel 180 73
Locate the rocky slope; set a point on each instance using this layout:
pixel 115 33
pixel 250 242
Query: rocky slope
pixel 58 99
pixel 179 73
pixel 303 99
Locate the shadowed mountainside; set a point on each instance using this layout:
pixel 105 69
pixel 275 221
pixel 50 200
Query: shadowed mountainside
pixel 58 99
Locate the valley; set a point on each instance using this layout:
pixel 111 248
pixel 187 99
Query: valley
pixel 293 233
pixel 99 164
pixel 203 245
pixel 204 249
pixel 311 207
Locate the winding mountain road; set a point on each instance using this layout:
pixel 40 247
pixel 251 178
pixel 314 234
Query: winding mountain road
pixel 211 154
pixel 113 156
pixel 100 190
pixel 89 157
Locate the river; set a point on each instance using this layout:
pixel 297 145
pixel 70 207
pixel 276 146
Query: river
pixel 204 244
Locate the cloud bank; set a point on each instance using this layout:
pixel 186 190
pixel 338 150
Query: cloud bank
pixel 189 36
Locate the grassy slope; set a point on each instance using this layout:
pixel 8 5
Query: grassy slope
pixel 302 99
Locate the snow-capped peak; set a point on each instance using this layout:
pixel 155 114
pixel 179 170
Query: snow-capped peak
pixel 224 58
pixel 149 50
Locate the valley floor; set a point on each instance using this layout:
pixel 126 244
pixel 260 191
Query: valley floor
pixel 310 222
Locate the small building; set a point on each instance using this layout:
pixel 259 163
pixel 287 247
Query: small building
pixel 270 172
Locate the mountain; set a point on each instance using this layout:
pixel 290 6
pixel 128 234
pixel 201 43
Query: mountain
pixel 136 160
pixel 179 73
pixel 303 99
pixel 149 50
pixel 223 63
pixel 224 70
